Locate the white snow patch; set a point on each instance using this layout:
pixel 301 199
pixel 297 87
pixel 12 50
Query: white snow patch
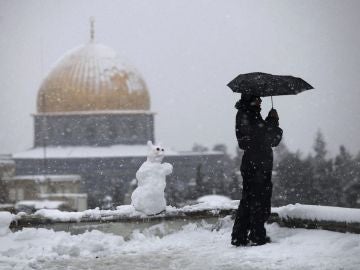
pixel 214 199
pixel 56 215
pixel 210 205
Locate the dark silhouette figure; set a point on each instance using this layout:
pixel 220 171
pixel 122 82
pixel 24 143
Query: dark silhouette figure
pixel 256 137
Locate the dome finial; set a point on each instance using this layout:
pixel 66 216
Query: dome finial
pixel 92 28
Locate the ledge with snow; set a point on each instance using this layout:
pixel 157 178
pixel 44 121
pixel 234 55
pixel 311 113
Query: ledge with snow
pixel 125 218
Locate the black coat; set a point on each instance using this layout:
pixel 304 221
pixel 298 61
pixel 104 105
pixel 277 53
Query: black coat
pixel 256 136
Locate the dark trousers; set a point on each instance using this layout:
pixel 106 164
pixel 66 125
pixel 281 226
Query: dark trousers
pixel 255 205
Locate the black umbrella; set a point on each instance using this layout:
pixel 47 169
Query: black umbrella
pixel 264 84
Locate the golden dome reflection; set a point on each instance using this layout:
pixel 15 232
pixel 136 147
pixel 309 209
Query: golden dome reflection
pixel 91 78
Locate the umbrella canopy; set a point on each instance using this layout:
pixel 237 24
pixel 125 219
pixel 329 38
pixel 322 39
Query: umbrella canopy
pixel 264 84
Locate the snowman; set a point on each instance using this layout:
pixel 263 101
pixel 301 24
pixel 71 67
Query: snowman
pixel 149 196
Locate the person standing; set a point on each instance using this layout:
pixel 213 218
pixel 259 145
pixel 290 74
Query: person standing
pixel 256 137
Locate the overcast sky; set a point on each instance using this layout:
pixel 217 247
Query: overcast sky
pixel 187 51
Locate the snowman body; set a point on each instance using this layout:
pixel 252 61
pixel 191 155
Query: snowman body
pixel 149 196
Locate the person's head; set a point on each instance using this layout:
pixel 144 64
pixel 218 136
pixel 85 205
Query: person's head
pixel 252 100
pixel 256 102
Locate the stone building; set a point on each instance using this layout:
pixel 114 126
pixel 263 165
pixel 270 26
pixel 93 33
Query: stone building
pixel 38 189
pixel 33 189
pixel 7 169
pixel 94 119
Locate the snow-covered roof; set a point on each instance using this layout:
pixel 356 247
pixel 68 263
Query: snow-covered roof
pixel 96 112
pixel 49 177
pixel 6 205
pixel 63 195
pixel 6 163
pixel 98 152
pixel 6 160
pixel 92 77
pixel 46 204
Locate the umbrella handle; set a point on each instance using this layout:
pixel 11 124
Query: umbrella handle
pixel 272 107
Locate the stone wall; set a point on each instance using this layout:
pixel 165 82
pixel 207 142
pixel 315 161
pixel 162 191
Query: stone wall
pixel 93 129
pixel 124 225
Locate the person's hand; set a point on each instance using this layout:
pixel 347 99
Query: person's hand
pixel 273 113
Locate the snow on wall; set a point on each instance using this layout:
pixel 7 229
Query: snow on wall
pixel 128 211
pixel 317 212
pixel 310 212
pixel 57 215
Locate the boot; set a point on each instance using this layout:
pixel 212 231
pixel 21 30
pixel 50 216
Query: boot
pixel 260 242
pixel 239 242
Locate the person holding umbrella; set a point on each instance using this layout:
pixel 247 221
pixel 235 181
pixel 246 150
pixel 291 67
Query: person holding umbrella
pixel 257 137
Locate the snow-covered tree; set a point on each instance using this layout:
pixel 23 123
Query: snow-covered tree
pixel 327 187
pixel 345 172
pixel 199 148
pixel 293 181
pixel 320 146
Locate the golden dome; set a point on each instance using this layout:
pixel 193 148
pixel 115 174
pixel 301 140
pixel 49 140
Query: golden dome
pixel 91 78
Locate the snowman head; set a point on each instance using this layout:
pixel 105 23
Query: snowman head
pixel 156 153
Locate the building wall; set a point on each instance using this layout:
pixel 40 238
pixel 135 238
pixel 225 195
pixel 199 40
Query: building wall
pixel 21 190
pixel 93 129
pixel 7 169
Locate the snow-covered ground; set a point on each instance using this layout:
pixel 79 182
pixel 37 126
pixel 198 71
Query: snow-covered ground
pixel 192 247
